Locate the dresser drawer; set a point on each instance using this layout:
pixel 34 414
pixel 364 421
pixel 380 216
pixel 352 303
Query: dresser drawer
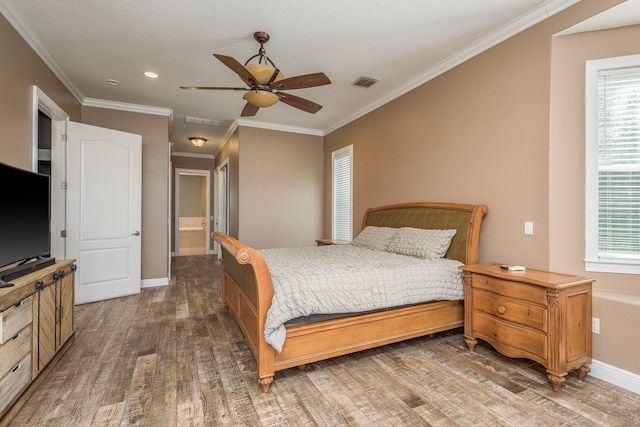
pixel 15 318
pixel 13 383
pixel 13 350
pixel 516 311
pixel 521 291
pixel 511 340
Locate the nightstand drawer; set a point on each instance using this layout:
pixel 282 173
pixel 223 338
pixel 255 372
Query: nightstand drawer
pixel 520 312
pixel 14 319
pixel 521 291
pixel 511 341
pixel 12 351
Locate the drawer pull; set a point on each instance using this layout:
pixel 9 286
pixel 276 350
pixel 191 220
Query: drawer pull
pixel 501 309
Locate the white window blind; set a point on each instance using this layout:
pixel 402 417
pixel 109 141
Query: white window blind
pixel 342 193
pixel 615 171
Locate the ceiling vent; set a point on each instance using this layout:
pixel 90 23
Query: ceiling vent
pixel 199 121
pixel 365 81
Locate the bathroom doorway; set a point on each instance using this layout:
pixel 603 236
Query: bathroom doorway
pixel 192 191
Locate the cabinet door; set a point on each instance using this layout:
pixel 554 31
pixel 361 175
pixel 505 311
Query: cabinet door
pixel 66 285
pixel 47 326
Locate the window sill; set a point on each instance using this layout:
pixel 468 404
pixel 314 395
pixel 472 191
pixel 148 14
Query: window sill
pixel 612 266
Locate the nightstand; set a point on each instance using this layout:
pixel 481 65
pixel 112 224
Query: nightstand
pixel 327 242
pixel 534 314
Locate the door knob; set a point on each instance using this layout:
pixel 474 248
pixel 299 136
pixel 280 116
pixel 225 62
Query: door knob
pixel 135 233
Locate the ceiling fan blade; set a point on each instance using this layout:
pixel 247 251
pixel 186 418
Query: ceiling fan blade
pixel 300 103
pixel 212 88
pixel 237 67
pixel 301 82
pixel 249 110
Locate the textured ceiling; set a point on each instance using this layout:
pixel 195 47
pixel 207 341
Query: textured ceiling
pixel 401 43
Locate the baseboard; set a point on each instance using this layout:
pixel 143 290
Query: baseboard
pixel 616 376
pixel 151 283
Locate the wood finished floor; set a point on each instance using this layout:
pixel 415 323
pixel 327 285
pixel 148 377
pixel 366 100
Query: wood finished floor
pixel 172 356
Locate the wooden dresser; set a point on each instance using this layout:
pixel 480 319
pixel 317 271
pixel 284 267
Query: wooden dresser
pixel 36 328
pixel 538 315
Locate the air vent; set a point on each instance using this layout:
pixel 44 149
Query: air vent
pixel 199 121
pixel 365 81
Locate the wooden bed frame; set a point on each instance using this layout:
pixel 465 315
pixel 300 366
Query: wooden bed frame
pixel 247 291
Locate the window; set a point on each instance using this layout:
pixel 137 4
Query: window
pixel 613 165
pixel 342 166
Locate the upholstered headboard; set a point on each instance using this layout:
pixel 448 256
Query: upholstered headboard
pixel 466 219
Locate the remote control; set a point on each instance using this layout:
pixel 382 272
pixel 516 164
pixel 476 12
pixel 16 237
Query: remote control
pixel 512 267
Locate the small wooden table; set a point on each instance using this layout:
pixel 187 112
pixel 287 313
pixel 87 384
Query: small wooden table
pixel 327 242
pixel 534 314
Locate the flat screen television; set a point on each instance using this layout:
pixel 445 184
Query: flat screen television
pixel 25 230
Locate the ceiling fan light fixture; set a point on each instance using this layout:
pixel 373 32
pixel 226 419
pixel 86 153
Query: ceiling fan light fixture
pixel 261 98
pixel 265 82
pixel 262 73
pixel 197 142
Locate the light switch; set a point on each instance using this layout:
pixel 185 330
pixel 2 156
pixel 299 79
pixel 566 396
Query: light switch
pixel 528 227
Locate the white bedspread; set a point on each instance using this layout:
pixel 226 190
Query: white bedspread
pixel 358 279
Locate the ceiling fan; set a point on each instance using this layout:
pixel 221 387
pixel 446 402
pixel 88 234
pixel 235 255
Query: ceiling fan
pixel 265 82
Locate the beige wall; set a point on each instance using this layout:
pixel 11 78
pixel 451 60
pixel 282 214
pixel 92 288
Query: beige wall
pixel 505 128
pixel 20 68
pixel 476 134
pixel 155 164
pixel 281 188
pixel 178 162
pixel 230 154
pixel 193 196
pixel 616 299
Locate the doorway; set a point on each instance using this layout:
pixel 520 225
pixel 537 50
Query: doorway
pixel 192 213
pixel 49 129
pixel 221 215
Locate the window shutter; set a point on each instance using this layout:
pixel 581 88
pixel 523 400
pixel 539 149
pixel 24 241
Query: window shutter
pixel 342 194
pixel 619 163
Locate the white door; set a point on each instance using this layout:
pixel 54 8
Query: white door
pixel 104 174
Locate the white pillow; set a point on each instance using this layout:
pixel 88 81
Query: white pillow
pixel 376 238
pixel 416 242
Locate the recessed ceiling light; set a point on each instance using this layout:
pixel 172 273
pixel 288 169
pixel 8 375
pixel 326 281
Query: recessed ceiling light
pixel 151 74
pixel 113 82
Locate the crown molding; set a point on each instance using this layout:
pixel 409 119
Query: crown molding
pixel 194 155
pixel 279 127
pixel 516 26
pixel 124 106
pixel 16 20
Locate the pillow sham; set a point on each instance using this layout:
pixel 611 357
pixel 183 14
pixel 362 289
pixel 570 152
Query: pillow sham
pixel 419 243
pixel 376 238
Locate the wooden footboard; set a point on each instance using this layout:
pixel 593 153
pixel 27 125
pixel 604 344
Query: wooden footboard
pixel 247 292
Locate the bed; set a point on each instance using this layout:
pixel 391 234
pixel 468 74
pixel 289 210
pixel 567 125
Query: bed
pixel 247 292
